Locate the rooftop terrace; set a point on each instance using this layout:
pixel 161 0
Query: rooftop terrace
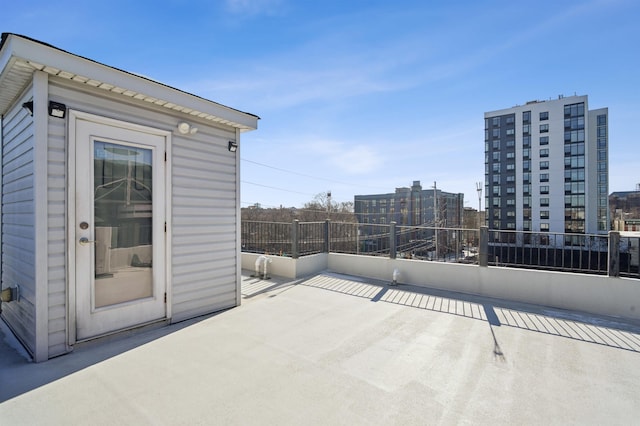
pixel 338 349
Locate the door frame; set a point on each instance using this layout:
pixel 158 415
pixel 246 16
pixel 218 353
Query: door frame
pixel 74 117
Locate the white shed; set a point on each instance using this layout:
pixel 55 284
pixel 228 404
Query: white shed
pixel 120 199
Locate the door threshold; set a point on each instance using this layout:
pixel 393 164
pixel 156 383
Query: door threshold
pixel 123 333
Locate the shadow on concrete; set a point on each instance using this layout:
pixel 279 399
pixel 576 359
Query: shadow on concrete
pixel 611 332
pixel 19 374
pixel 254 286
pixel 494 321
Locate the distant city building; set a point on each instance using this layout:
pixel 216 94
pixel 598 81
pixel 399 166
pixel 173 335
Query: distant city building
pixel 624 208
pixel 408 207
pixel 546 167
pixel 411 207
pixel 625 204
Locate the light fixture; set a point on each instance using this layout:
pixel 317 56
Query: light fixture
pixel 57 109
pixel 186 128
pixel 28 106
pixel 233 146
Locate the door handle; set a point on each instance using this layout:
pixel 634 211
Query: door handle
pixel 84 241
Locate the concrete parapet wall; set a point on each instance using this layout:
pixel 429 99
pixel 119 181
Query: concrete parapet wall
pixel 596 294
pixel 288 267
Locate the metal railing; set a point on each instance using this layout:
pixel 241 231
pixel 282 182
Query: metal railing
pixel 610 254
pixel 547 250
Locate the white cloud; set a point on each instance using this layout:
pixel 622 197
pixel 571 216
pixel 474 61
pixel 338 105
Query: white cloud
pixel 347 158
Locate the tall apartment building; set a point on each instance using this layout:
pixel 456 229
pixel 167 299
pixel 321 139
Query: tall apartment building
pixel 546 167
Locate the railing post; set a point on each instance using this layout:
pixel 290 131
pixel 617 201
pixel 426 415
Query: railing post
pixel 295 250
pixel 326 236
pixel 392 240
pixel 614 254
pixel 483 250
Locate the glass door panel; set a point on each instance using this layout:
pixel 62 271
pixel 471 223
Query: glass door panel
pixel 123 218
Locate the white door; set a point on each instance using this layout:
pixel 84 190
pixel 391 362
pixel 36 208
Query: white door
pixel 119 226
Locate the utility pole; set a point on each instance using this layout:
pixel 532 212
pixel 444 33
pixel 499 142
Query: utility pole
pixel 479 189
pixel 328 203
pixel 435 216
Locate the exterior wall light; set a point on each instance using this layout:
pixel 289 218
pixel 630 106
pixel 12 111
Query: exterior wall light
pixel 28 106
pixel 187 129
pixel 233 146
pixel 57 109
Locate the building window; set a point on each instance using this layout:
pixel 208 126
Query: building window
pixel 574 149
pixel 511 155
pixel 496 156
pixel 544 177
pixel 510 119
pixel 544 128
pixel 544 227
pixel 510 132
pixel 544 202
pixel 496 144
pixel 544 152
pixel 511 190
pixel 511 178
pixel 544 140
pixel 511 202
pixel 544 116
pixel 496 178
pixel 526 165
pixel 526 116
pixel 544 165
pixel 576 162
pixel 544 189
pixel 602 120
pixel 544 214
pixel 511 167
pixel 526 129
pixel 496 121
pixel 526 152
pixel 511 225
pixel 574 110
pixel 511 144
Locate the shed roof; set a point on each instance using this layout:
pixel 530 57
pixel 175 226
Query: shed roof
pixel 20 56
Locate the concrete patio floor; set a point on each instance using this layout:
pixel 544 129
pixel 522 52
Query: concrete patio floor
pixel 334 349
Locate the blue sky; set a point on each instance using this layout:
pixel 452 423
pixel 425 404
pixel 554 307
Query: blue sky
pixel 361 97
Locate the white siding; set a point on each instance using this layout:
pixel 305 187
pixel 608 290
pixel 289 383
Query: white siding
pixel 204 225
pixel 18 223
pixel 56 237
pixel 203 217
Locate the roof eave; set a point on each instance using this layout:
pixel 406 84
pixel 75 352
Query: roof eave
pixel 18 50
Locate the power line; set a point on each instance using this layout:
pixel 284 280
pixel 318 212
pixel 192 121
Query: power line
pixel 306 175
pixel 276 188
